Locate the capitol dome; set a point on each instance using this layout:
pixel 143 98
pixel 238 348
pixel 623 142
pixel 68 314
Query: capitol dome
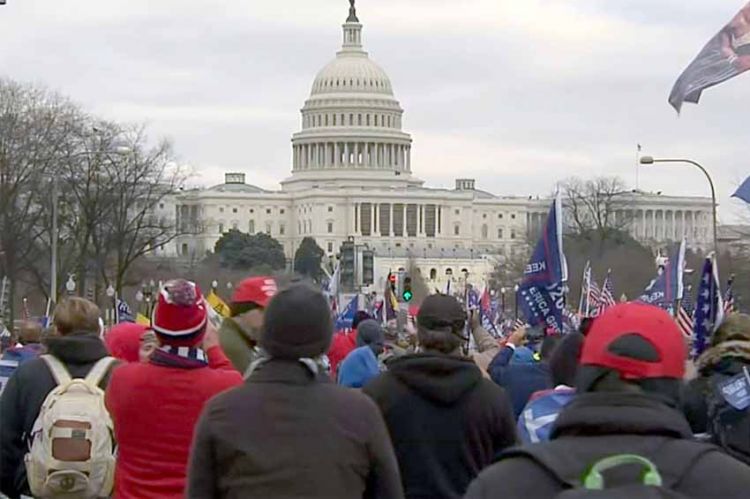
pixel 352 72
pixel 351 122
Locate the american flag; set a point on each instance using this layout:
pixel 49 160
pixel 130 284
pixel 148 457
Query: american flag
pixel 685 314
pixel 590 294
pixel 729 297
pixel 607 296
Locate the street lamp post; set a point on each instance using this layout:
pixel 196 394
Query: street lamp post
pixel 515 288
pixel 650 160
pixel 111 294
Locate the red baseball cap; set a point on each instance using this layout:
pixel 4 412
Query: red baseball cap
pixel 257 290
pixel 648 322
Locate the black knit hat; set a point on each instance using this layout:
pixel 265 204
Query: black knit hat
pixel 297 324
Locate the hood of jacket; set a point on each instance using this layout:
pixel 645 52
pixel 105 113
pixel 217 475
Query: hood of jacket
pixel 598 414
pixel 442 379
pixel 77 348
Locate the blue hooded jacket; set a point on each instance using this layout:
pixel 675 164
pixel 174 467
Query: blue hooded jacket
pixel 359 367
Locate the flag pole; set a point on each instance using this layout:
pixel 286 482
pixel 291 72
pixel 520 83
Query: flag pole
pixel 637 166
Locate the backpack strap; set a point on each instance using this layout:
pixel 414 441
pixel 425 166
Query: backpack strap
pixel 58 369
pixel 95 375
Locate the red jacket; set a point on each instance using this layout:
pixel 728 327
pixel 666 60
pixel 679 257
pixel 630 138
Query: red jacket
pixel 155 409
pixel 341 346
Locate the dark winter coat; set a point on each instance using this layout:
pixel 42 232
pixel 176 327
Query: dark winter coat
pixel 288 433
pixel 695 395
pixel 520 380
pixel 598 425
pixel 446 421
pixel 24 395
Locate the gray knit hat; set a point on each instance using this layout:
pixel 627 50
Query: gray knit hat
pixel 297 324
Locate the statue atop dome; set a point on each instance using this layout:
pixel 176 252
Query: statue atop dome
pixel 352 13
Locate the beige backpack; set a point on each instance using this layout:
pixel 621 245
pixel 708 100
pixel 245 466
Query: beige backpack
pixel 72 453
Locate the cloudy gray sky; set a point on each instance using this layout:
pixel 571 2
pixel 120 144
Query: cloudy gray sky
pixel 516 93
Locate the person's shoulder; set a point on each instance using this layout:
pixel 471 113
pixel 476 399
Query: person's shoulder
pixel 731 473
pixel 221 378
pixel 517 476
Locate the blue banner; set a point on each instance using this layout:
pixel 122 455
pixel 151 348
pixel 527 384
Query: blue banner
pixel 709 307
pixel 667 287
pixel 346 317
pixel 124 313
pixel 743 192
pixel 541 293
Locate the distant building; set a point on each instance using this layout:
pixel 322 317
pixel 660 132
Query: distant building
pixel 352 176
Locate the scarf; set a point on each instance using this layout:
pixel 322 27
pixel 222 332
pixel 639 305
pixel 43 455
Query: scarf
pixel 179 357
pixel 316 366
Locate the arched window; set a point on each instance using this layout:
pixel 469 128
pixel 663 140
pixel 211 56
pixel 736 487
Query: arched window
pixel 334 120
pixel 351 120
pixel 326 120
pixel 449 271
pixel 433 274
pixel 368 120
pixel 376 120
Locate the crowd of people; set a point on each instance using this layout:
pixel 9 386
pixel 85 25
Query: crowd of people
pixel 273 403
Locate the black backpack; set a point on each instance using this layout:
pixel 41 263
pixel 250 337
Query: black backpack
pixel 657 475
pixel 729 413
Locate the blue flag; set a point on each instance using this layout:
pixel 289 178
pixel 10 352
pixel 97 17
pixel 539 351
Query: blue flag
pixel 346 317
pixel 541 292
pixel 667 286
pixel 743 192
pixel 709 307
pixel 124 314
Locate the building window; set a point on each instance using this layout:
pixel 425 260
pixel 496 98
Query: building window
pixel 221 228
pixel 282 211
pixel 251 227
pixel 513 216
pixel 330 227
pixel 330 209
pixel 330 247
pixel 449 271
pixel 252 210
pixel 456 230
pixel 234 226
pixel 161 206
pixel 268 211
pixel 184 249
pixel 334 120
pixel 221 209
pixel 268 228
pixel 499 233
pixel 433 274
pixel 282 229
pixel 512 234
pixel 484 216
pixel 458 212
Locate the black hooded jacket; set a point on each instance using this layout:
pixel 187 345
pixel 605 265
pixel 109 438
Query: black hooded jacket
pixel 445 420
pixel 23 398
pixel 599 425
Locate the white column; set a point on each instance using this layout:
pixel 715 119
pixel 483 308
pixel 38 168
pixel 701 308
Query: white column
pixel 421 217
pixel 390 222
pixel 404 231
pixel 408 158
pixel 346 154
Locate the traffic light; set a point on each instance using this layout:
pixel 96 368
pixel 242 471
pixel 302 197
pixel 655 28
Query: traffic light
pixel 392 282
pixel 347 265
pixel 407 294
pixel 368 267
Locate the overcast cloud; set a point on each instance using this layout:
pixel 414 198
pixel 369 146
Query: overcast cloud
pixel 515 93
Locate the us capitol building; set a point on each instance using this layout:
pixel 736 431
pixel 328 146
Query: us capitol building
pixel 352 177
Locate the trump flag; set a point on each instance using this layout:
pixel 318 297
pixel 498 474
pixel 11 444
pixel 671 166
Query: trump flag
pixel 541 293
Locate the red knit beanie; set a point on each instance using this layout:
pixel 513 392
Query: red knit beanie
pixel 180 314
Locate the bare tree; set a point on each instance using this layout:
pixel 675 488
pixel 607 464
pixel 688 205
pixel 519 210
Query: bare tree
pixel 34 126
pixel 595 208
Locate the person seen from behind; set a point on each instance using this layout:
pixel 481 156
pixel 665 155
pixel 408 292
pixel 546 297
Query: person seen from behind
pixel 516 369
pixel 78 348
pixel 623 434
pixel 361 365
pixel 155 405
pixel 447 422
pixel 29 343
pixel 289 431
pixel 537 418
pixel 240 332
pixel 707 402
pixel 344 342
